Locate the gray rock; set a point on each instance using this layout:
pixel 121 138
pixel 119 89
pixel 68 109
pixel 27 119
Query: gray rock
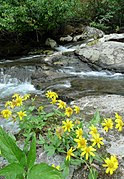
pixel 108 55
pixel 112 37
pixel 106 104
pixel 66 39
pixel 51 43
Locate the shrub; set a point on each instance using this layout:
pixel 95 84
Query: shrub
pixel 31 15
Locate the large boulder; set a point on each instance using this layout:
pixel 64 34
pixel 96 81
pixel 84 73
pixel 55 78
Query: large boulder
pixel 107 55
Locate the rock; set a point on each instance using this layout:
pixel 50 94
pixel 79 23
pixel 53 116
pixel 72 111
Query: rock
pixel 80 33
pixel 53 74
pixel 112 37
pixel 107 55
pixel 67 39
pixel 89 33
pixel 10 126
pixel 106 104
pixel 92 32
pixel 51 43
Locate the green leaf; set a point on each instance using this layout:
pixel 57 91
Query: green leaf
pixel 96 119
pixel 50 150
pixel 50 114
pixel 93 174
pixel 41 140
pixel 32 153
pixel 43 171
pixel 10 150
pixel 31 108
pixel 65 172
pixel 98 158
pixel 76 162
pixel 12 170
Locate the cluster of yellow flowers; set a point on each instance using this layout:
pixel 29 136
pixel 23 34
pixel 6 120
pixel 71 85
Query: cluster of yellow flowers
pixel 81 143
pixel 16 101
pixel 61 104
pixel 87 146
pixel 108 123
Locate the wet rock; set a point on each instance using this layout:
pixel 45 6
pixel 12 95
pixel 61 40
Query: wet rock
pixel 53 74
pixel 113 37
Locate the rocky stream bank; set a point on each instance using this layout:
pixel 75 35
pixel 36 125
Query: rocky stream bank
pixel 88 71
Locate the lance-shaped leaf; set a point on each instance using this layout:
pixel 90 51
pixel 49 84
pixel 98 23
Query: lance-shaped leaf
pixel 32 153
pixel 10 150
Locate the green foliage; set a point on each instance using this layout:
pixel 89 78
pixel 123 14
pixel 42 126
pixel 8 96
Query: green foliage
pixel 18 170
pixel 104 14
pixel 10 150
pixel 93 174
pixel 31 15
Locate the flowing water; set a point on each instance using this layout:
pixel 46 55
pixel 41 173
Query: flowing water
pixel 15 77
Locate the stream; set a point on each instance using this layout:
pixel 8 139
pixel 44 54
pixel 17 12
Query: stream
pixel 19 76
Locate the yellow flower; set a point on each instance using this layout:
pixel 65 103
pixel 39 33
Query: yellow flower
pixel 15 95
pixel 59 132
pixel 13 103
pixel 88 150
pixel 51 94
pixel 57 167
pixel 8 103
pixel 97 140
pixel 18 101
pixel 21 114
pixel 81 142
pixel 67 125
pixel 25 97
pixel 61 104
pixel 69 154
pixel 53 100
pixel 108 124
pixel 40 108
pixel 79 132
pixel 93 129
pixel 76 109
pixel 6 113
pixel 119 122
pixel 68 111
pixel 117 116
pixel 111 164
